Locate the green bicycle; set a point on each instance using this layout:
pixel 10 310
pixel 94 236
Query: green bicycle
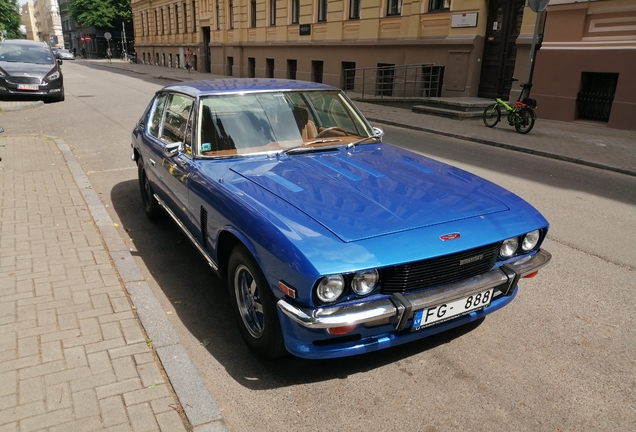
pixel 522 116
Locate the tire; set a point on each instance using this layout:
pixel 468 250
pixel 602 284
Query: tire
pixel 151 207
pixel 525 120
pixel 491 115
pixel 253 305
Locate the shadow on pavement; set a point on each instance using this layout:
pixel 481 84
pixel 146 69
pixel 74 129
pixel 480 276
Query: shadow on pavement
pixel 201 301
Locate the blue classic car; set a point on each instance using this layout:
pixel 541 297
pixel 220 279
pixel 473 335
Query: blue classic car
pixel 333 242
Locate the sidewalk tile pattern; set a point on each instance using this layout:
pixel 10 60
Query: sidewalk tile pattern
pixel 73 354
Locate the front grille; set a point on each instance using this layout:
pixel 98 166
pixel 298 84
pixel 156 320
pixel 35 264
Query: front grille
pixel 438 271
pixel 24 80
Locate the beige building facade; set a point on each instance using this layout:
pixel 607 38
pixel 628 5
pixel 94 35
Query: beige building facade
pixel 475 43
pixel 317 40
pixel 28 20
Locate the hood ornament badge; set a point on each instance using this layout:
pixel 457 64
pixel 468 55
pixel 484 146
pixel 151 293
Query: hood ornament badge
pixel 449 237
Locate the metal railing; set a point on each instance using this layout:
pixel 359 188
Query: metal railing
pixel 395 81
pixel 594 101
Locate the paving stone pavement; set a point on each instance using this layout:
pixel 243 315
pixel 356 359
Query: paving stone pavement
pixel 74 354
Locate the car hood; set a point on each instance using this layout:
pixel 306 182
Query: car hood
pixel 372 191
pixel 26 69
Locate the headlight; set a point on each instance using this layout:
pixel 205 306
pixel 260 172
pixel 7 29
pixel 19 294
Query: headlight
pixel 509 247
pixel 364 282
pixel 55 75
pixel 530 240
pixel 330 288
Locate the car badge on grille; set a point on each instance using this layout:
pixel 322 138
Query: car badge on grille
pixel 471 259
pixel 448 237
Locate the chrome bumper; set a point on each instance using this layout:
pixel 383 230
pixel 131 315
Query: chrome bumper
pixel 399 307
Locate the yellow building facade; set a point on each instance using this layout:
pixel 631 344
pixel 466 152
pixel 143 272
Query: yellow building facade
pixel 317 40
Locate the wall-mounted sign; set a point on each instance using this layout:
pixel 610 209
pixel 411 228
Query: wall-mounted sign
pixel 464 20
pixel 304 29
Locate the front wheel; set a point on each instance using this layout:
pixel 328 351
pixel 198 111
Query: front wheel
pixel 525 120
pixel 491 115
pixel 253 305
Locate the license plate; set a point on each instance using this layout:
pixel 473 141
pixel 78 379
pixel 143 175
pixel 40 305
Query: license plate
pixel 28 87
pixel 444 312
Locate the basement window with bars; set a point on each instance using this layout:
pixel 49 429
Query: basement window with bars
pixel 594 101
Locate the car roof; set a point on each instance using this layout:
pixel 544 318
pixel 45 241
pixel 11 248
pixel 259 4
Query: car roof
pixel 25 42
pixel 240 85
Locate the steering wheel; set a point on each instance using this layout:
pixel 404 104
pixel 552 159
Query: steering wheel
pixel 320 134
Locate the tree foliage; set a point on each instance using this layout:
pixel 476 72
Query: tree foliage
pixel 10 19
pixel 99 13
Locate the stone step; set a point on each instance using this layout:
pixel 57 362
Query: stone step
pixel 453 113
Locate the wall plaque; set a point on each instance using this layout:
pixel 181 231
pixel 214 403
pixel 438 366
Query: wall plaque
pixel 464 20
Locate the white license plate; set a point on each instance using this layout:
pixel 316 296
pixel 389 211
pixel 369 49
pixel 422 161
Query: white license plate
pixel 444 312
pixel 28 87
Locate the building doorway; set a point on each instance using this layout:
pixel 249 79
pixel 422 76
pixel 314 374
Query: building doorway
pixel 500 47
pixel 207 61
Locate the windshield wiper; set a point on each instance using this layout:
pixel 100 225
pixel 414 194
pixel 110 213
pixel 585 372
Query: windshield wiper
pixel 360 141
pixel 306 147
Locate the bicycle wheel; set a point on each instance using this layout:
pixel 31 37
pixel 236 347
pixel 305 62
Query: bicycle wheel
pixel 525 120
pixel 492 115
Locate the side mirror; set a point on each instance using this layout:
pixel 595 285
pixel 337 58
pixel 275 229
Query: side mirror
pixel 170 150
pixel 377 132
pixel 59 61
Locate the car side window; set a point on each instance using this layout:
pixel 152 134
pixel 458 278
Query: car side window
pixel 155 120
pixel 176 117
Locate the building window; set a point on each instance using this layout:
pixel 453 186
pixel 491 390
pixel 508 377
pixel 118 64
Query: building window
pixel 292 67
pixel 163 20
pixel 348 75
pixel 169 21
pixel 295 11
pixel 176 19
pixel 216 8
pixel 269 64
pixel 394 7
pixel 231 15
pixel 594 101
pixel 322 10
pixel 354 9
pixel 272 12
pixel 316 70
pixel 439 5
pixel 185 19
pixel 194 17
pixel 251 67
pixel 230 65
pixel 252 13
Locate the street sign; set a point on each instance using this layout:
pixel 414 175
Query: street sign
pixel 538 5
pixel 107 36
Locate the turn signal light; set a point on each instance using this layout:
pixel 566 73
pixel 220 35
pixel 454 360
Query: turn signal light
pixel 531 275
pixel 341 330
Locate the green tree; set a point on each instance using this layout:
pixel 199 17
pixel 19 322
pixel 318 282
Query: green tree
pixel 99 13
pixel 10 19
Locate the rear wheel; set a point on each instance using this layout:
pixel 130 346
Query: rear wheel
pixel 151 206
pixel 491 115
pixel 525 120
pixel 253 305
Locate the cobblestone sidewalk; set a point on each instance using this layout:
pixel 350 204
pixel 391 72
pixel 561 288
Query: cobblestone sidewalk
pixel 74 356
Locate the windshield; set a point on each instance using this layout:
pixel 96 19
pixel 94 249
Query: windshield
pixel 267 122
pixel 25 54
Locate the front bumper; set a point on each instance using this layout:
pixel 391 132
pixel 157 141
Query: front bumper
pixel 399 308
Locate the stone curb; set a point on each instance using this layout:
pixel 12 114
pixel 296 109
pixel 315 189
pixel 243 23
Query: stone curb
pixel 197 402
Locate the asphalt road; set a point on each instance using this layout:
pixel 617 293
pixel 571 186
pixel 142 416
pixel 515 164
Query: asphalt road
pixel 561 357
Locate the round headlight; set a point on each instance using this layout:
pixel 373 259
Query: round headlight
pixel 509 247
pixel 330 288
pixel 364 282
pixel 530 240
